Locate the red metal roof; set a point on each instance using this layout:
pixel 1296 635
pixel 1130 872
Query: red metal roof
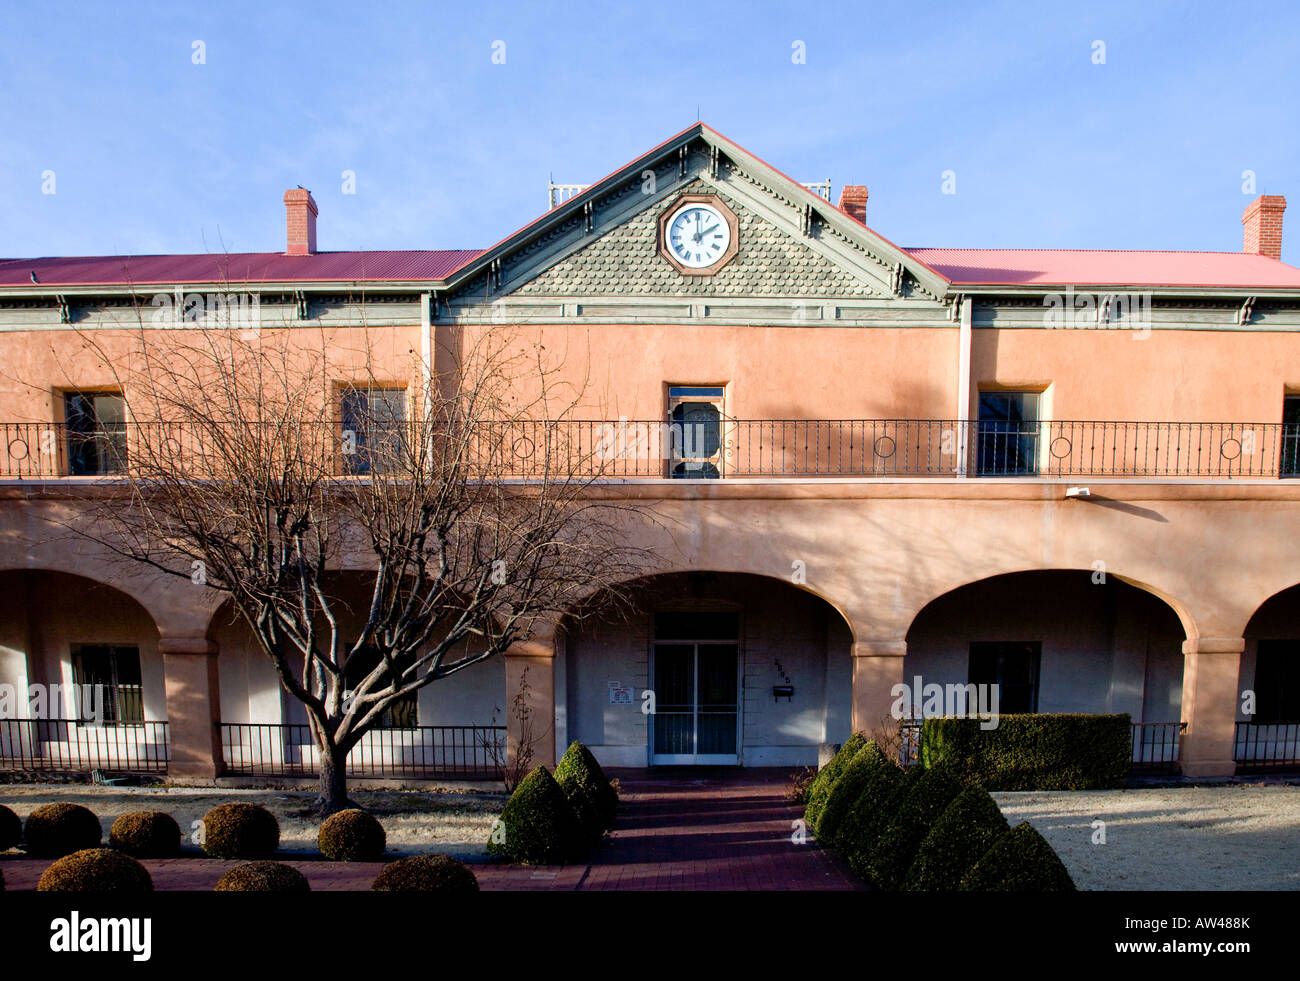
pixel 240 267
pixel 1078 267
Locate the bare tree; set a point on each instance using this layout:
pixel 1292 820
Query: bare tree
pixel 467 513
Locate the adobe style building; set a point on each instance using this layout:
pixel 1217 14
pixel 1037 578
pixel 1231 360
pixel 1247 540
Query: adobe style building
pixel 1072 474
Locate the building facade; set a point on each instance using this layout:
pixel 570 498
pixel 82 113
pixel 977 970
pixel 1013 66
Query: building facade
pixel 1069 474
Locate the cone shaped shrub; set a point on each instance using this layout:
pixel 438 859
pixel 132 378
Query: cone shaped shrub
pixel 593 800
pixel 846 789
pixel 867 816
pixel 11 828
pixel 537 825
pixel 859 851
pixel 351 836
pixel 240 831
pixel 425 873
pixel 1020 860
pixel 966 829
pixel 95 870
pixel 895 850
pixel 55 830
pixel 146 834
pixel 820 788
pixel 263 877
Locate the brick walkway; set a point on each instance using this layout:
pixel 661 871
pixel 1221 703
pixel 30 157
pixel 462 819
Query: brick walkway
pixel 680 828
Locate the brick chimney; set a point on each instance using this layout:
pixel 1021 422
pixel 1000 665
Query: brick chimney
pixel 853 201
pixel 1261 225
pixel 300 222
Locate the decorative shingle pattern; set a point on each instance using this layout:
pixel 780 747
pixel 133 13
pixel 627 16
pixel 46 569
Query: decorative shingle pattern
pixel 625 262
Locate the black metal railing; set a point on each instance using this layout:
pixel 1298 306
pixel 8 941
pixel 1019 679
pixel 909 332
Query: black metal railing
pixel 465 752
pixel 54 744
pixel 1266 746
pixel 1156 747
pixel 797 448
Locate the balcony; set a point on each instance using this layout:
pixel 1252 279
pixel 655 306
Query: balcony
pixel 728 448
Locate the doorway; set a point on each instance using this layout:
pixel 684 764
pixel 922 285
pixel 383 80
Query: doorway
pixel 696 663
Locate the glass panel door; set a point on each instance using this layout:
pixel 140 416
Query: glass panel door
pixel 717 701
pixel 696 711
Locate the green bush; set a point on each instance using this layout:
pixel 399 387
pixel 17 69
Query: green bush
pixel 425 873
pixel 866 818
pixel 589 793
pixel 263 877
pixel 844 792
pixel 351 836
pixel 1020 860
pixel 240 831
pixel 820 788
pixel 537 826
pixel 894 851
pixel 55 830
pixel 146 834
pixel 95 870
pixel 874 818
pixel 958 838
pixel 1032 752
pixel 11 828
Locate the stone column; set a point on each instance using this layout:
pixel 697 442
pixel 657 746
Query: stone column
pixel 877 667
pixel 530 666
pixel 1211 666
pixel 193 708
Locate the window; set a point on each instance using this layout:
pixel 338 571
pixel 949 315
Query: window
pixel 117 669
pixel 1007 437
pixel 373 429
pixel 402 714
pixel 1277 681
pixel 96 428
pixel 1290 463
pixel 695 426
pixel 1013 667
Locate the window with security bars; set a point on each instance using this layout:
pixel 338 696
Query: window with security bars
pixel 1006 437
pixel 1289 465
pixel 374 429
pixel 95 424
pixel 1013 667
pixel 1277 681
pixel 695 427
pixel 117 670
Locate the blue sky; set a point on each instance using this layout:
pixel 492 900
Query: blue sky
pixel 154 153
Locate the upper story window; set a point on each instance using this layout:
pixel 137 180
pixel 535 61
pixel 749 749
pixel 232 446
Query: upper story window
pixel 695 418
pixel 1006 438
pixel 1013 667
pixel 117 670
pixel 96 431
pixel 1289 465
pixel 373 429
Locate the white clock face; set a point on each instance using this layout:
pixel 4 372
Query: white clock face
pixel 698 236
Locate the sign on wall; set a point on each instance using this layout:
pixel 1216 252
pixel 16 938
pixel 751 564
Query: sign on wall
pixel 620 694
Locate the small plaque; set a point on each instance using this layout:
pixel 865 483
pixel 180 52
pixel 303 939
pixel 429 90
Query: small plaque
pixel 620 694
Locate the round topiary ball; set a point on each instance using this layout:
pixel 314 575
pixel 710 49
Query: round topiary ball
pixel 11 828
pixel 146 834
pixel 425 873
pixel 352 836
pixel 240 831
pixel 263 877
pixel 55 830
pixel 95 870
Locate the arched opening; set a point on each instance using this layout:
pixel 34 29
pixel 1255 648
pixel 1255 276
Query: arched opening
pixel 1060 641
pixel 81 676
pixel 1268 709
pixel 739 669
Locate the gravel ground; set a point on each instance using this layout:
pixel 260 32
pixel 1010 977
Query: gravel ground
pixel 1233 837
pixel 415 821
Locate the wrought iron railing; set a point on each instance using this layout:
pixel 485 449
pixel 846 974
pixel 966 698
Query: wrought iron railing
pixel 54 744
pixel 1266 746
pixel 1156 747
pixel 465 752
pixel 737 448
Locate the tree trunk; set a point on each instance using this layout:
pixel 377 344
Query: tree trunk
pixel 333 795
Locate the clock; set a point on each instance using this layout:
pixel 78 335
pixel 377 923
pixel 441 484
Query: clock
pixel 697 234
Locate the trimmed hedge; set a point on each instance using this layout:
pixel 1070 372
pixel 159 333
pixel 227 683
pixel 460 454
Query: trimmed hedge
pixel 263 877
pixel 894 851
pixel 1032 751
pixel 957 840
pixel 425 873
pixel 11 828
pixel 589 793
pixel 867 817
pixel 539 825
pixel 859 850
pixel 95 870
pixel 55 830
pixel 845 791
pixel 351 836
pixel 1020 860
pixel 146 834
pixel 240 831
pixel 820 788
